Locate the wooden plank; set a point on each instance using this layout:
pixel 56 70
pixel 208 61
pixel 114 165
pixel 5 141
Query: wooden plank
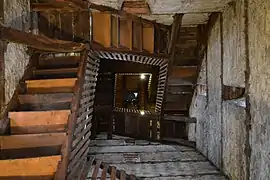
pixel 102 28
pixel 42 72
pixel 125 32
pixel 39 42
pixel 96 170
pixel 137 149
pixel 148 38
pixel 104 173
pixel 38 122
pixel 181 72
pixel 157 157
pixel 122 175
pixel 153 170
pixel 51 85
pixel 43 166
pixel 113 173
pixel 32 140
pixel 180 119
pixel 55 62
pixel 45 98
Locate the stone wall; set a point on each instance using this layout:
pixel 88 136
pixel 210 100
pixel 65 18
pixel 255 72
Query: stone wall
pixel 222 129
pixel 16 15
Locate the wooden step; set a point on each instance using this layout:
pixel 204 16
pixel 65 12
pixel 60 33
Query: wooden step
pixel 173 81
pixel 31 145
pixel 180 98
pixel 55 73
pixel 177 112
pixel 51 85
pixel 180 88
pixel 45 102
pixel 55 62
pixel 38 122
pixel 184 71
pixel 32 168
pixel 176 118
pixel 176 106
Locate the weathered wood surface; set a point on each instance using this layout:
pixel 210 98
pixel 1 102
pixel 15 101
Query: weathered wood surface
pixel 39 42
pixel 35 167
pixel 51 85
pixel 148 161
pixel 38 122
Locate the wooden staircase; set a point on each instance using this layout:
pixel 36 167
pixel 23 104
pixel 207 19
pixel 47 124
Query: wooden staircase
pixel 180 86
pixel 36 145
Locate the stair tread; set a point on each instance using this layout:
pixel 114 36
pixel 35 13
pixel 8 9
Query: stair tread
pixel 41 166
pixel 49 98
pixel 179 118
pixel 38 121
pixel 32 140
pixel 55 71
pixel 50 85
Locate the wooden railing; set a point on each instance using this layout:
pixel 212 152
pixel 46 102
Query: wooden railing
pixel 80 120
pixel 110 172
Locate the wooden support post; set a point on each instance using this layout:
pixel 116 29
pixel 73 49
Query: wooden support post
pixel 39 42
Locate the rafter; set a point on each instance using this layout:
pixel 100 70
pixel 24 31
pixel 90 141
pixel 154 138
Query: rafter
pixel 39 42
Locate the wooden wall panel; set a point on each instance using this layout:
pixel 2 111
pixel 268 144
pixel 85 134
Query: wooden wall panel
pixel 115 30
pixel 137 36
pixel 66 26
pixel 126 33
pixel 102 28
pixel 148 38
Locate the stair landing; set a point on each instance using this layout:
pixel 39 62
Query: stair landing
pixel 151 160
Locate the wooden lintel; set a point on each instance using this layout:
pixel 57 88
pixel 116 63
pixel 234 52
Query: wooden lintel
pixel 38 42
pixel 96 46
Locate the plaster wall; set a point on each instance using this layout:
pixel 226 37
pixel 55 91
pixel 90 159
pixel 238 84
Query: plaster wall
pixel 17 16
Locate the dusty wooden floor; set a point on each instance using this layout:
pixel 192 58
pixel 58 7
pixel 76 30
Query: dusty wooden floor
pixel 149 160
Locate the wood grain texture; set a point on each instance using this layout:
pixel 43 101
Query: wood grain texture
pixel 38 122
pixel 32 140
pixel 43 166
pixel 51 85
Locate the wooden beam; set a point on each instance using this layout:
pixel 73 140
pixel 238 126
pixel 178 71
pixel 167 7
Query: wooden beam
pixel 48 5
pixel 175 32
pixel 39 42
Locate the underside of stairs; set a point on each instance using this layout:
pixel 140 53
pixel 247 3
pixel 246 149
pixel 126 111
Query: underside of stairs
pixel 37 144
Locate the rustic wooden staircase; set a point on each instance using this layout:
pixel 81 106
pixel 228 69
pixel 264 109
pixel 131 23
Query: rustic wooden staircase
pixel 40 134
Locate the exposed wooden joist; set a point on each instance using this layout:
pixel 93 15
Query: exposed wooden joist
pixel 42 43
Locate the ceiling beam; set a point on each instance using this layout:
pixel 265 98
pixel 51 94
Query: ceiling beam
pixel 42 43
